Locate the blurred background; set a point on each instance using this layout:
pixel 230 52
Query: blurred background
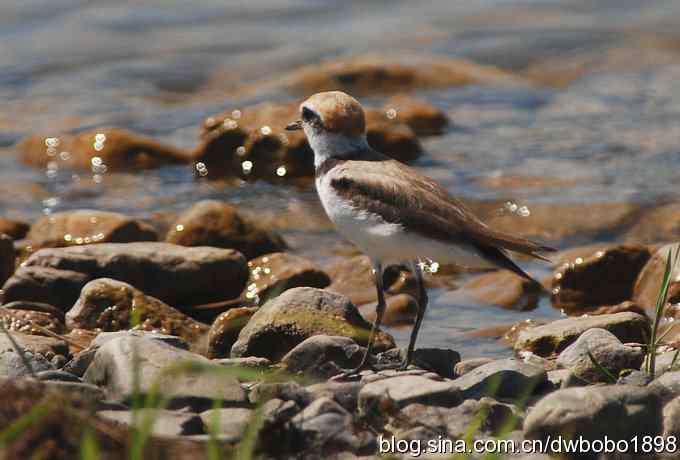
pixel 563 116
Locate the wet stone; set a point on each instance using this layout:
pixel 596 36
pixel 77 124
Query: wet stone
pixel 218 224
pixel 15 229
pixel 46 346
pixel 109 305
pixel 30 322
pixel 503 289
pixel 7 257
pixel 45 285
pixel 86 226
pixel 297 314
pixel 225 330
pixel 648 283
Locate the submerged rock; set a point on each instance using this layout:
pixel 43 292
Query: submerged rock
pixel 401 310
pixel 225 330
pixel 109 305
pixel 86 226
pixel 556 336
pixel 423 118
pixel 15 229
pixel 177 275
pixel 606 277
pixel 7 257
pixel 285 321
pixel 272 274
pixel 100 150
pixel 504 289
pixel 218 224
pixel 659 224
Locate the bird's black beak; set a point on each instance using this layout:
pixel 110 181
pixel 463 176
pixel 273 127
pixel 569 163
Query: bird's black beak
pixel 294 126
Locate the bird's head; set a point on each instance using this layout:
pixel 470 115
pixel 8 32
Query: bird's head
pixel 334 123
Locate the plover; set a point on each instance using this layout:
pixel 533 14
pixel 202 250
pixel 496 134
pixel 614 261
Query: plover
pixel 391 212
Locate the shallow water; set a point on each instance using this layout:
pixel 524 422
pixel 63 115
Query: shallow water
pixel 611 135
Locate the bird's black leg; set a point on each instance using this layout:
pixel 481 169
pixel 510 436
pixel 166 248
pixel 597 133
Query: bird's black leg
pixel 379 312
pixel 417 271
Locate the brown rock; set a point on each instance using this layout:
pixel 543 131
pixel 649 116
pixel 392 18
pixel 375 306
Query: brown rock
pixel 604 278
pixel 252 143
pixel 80 339
pixel 218 224
pixel 80 227
pixel 401 310
pixel 13 228
pixel 30 322
pixel 7 257
pixel 45 285
pixel 225 330
pixel 556 336
pixel 648 283
pixel 423 118
pixel 46 346
pixel 503 289
pixel 620 308
pixel 116 149
pixel 110 305
pixel 272 274
pixel 37 306
pixel 659 224
pixel 364 75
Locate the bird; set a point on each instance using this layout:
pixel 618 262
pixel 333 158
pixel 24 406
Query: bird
pixel 393 213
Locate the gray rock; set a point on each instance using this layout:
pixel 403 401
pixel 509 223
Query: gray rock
pixel 277 412
pixel 80 362
pixel 404 390
pixel 559 378
pixel 229 423
pixel 505 378
pixel 250 362
pixel 344 393
pixel 58 376
pixel 286 391
pixel 325 424
pixel 619 412
pixel 466 365
pixel 78 389
pixel 664 362
pixel 323 356
pixel 299 313
pixel 554 337
pixel 455 422
pixel 104 337
pixel 637 378
pixel 606 350
pixel 671 418
pixel 12 365
pixel 165 423
pixel 113 368
pixel 670 382
pixel 56 287
pixel 7 256
pixel 176 275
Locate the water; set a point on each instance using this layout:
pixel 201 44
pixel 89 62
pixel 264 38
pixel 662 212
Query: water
pixel 606 129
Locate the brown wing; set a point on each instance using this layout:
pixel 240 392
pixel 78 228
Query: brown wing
pixel 400 194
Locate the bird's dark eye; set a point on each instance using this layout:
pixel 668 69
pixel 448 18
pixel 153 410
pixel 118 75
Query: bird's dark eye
pixel 309 115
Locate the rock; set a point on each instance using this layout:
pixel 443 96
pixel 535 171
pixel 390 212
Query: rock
pixel 670 381
pixel 607 351
pixel 401 310
pixel 504 378
pixel 225 330
pixel 423 118
pixel 626 306
pixel 251 362
pixel 46 346
pixel 285 391
pixel 503 289
pixel 218 224
pixel 454 422
pixel 463 367
pixel 12 365
pixel 634 377
pixel 438 360
pixel 277 412
pixel 604 278
pixel 113 368
pixel 228 423
pixel 45 285
pixel 251 143
pixel 100 150
pixel 57 376
pixel 363 75
pixel 80 362
pixel 323 356
pixel 671 419
pixel 400 391
pixel 177 275
pixel 272 274
pixel 324 424
pixel 109 305
pixel 658 224
pixel 172 340
pixel 80 339
pixel 15 229
pixel 648 283
pixel 30 322
pixel 37 307
pixel 285 321
pixel 664 362
pixel 165 422
pixel 87 227
pixel 556 336
pixel 619 412
pixel 344 393
pixel 7 257
pixel 81 390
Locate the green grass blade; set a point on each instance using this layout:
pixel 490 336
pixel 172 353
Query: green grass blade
pixel 658 312
pixel 89 446
pixel 603 370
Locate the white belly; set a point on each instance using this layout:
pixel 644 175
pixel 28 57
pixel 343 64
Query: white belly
pixel 390 243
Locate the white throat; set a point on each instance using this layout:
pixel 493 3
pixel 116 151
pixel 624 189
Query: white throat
pixel 332 145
